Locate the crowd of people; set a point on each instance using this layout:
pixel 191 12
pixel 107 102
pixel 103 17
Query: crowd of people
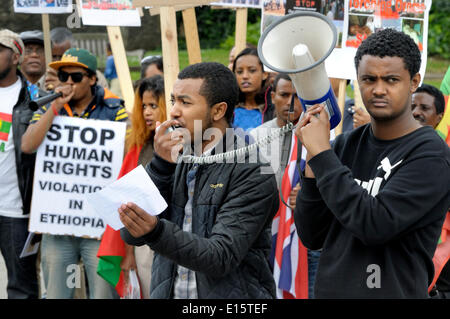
pixel 370 205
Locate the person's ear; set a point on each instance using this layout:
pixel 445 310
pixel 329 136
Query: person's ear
pixel 92 79
pixel 415 81
pixel 265 75
pixel 440 116
pixel 272 94
pixel 218 111
pixel 16 58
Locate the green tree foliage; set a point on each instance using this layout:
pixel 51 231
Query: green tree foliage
pixel 439 29
pixel 215 25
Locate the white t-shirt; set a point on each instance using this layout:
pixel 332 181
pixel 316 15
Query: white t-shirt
pixel 10 199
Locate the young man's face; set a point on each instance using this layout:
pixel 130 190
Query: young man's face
pixel 282 97
pixel 81 89
pixel 424 110
pixel 188 105
pixel 386 87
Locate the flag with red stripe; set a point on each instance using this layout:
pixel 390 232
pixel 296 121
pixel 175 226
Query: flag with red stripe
pixel 5 126
pixel 289 257
pixel 112 247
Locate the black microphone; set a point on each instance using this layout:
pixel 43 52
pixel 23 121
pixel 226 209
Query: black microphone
pixel 34 105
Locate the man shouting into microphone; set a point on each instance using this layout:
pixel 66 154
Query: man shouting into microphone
pixel 213 240
pixel 82 98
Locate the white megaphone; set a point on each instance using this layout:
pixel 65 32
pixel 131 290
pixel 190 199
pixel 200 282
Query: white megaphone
pixel 298 44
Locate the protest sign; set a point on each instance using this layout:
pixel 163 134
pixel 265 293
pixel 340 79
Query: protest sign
pixel 77 157
pixel 110 13
pixel 364 17
pixel 43 6
pixel 256 4
pixel 355 20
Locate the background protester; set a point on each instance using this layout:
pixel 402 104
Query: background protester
pixel 33 65
pixel 428 105
pixel 149 107
pixel 62 40
pixel 152 65
pixel 111 73
pixel 251 78
pixel 16 170
pixel 82 98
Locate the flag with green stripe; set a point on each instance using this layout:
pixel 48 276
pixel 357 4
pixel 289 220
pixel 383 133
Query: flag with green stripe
pixel 112 248
pixel 5 125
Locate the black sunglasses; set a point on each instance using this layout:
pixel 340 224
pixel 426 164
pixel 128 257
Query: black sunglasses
pixel 77 77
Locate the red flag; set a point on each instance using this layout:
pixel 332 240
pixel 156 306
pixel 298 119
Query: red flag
pixel 112 247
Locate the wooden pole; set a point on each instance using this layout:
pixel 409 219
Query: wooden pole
pixel 191 32
pixel 121 63
pixel 358 98
pixel 47 41
pixel 169 50
pixel 341 103
pixel 240 42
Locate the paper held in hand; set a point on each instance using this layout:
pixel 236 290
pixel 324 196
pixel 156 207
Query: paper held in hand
pixel 136 187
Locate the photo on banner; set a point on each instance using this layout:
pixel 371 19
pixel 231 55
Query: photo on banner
pixel 362 18
pixel 110 13
pixel 256 4
pixel 77 157
pixel 333 9
pixel 43 6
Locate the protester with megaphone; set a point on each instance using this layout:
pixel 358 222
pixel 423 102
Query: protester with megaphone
pixel 376 202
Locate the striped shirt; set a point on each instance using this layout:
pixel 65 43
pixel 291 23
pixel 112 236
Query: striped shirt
pixel 185 284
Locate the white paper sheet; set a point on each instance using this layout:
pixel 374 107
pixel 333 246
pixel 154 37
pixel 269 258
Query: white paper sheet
pixel 136 187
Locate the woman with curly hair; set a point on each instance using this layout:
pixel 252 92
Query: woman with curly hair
pixel 149 107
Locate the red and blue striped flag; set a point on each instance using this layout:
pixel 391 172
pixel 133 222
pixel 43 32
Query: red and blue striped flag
pixel 288 256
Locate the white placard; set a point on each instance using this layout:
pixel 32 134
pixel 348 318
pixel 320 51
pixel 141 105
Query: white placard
pixel 77 157
pixel 43 6
pixel 257 4
pixel 110 13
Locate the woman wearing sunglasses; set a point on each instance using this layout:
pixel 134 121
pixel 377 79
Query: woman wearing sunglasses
pixel 82 98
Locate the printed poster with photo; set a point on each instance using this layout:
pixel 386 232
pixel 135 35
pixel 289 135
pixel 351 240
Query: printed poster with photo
pixel 110 13
pixel 333 9
pixel 355 20
pixel 43 6
pixel 363 18
pixel 256 4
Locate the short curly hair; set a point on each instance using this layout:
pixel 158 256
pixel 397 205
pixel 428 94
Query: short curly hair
pixel 391 43
pixel 219 84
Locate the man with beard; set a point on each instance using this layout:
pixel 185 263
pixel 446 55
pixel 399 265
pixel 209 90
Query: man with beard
pixel 16 170
pixel 375 202
pixel 214 238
